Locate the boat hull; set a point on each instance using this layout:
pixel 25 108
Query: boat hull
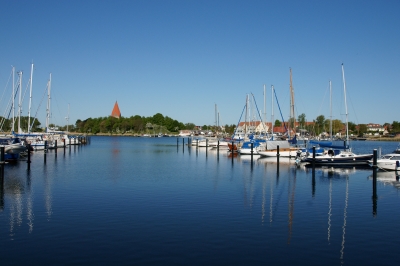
pixel 336 161
pixel 282 153
pixel 388 162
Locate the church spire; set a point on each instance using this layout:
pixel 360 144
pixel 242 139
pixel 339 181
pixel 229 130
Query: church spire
pixel 116 112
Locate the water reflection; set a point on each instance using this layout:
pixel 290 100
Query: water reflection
pixel 16 188
pixel 344 220
pixel 387 178
pixel 260 203
pixel 291 194
pixel 1 193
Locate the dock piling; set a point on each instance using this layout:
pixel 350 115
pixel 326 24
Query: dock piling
pixel 2 162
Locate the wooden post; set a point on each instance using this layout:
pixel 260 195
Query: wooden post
pixel 29 159
pixel 374 195
pixel 313 157
pixel 45 151
pixel 2 162
pixel 277 159
pixel 232 151
pixel 218 150
pixel 251 157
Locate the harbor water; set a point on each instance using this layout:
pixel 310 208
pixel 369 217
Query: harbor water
pixel 155 201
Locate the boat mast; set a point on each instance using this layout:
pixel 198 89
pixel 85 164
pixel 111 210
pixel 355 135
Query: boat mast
pixel 292 118
pixel 67 118
pixel 345 104
pixel 30 101
pixel 265 112
pixel 247 114
pixel 48 105
pixel 330 97
pixel 216 119
pixel 19 101
pixel 13 100
pixel 272 111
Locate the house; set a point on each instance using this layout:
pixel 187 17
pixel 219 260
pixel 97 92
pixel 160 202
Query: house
pixel 375 128
pixel 253 127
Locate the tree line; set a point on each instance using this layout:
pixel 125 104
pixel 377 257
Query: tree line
pixel 159 123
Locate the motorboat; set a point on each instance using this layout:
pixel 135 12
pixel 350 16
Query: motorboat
pixel 12 148
pixel 390 161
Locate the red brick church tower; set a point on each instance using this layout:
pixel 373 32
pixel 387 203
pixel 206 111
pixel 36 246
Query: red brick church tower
pixel 116 112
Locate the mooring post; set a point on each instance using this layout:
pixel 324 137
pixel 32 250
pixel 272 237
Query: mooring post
pixel 313 157
pixel 29 159
pixel 206 148
pixel 251 158
pixel 55 147
pixel 2 162
pixel 277 154
pixel 374 169
pixel 232 151
pixel 45 150
pixel 374 194
pixel 218 150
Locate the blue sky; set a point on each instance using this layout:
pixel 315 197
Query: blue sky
pixel 181 58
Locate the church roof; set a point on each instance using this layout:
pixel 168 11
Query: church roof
pixel 116 112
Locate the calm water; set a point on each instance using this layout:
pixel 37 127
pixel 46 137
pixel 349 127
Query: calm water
pixel 145 201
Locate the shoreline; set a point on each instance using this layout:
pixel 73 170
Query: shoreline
pixel 394 139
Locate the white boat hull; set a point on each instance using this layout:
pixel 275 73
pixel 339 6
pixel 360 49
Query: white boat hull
pixel 388 162
pixel 282 153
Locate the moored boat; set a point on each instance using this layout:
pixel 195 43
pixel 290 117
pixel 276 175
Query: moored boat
pixel 12 148
pixel 271 149
pixel 390 161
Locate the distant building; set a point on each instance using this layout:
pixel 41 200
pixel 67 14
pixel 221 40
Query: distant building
pixel 375 127
pixel 116 112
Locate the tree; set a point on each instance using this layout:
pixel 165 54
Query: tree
pixel 319 124
pixel 158 119
pixel 362 129
pixel 395 126
pixel 302 120
pixel 190 126
pixel 277 123
pixel 352 126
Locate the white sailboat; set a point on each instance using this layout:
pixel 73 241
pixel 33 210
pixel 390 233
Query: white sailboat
pixel 340 156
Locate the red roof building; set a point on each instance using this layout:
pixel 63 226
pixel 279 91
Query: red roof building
pixel 116 112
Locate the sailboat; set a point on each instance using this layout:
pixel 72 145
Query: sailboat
pixel 340 155
pixel 287 147
pixel 245 133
